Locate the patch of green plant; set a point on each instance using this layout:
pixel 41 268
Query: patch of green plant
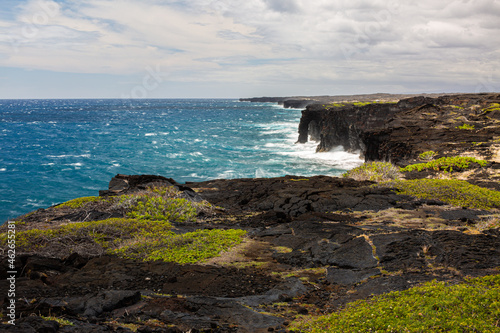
pixel 457 107
pixel 466 127
pixel 106 233
pixel 450 164
pixel 130 238
pixel 335 105
pixel 493 107
pixel 61 321
pixel 427 155
pixel 374 171
pixel 471 306
pixel 183 248
pixel 455 192
pixel 163 203
pixel 78 203
pixel 148 207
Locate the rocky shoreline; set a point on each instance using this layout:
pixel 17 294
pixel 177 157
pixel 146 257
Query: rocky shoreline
pixel 311 245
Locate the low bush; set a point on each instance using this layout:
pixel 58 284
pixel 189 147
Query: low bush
pixel 457 163
pixel 374 171
pixel 455 192
pixel 472 306
pixel 427 156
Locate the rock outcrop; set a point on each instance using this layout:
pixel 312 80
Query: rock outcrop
pixel 451 125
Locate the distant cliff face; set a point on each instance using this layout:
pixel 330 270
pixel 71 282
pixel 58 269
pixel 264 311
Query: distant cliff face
pixel 400 131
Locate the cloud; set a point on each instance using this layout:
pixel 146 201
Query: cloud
pixel 259 41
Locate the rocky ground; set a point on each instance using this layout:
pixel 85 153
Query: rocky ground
pixel 312 246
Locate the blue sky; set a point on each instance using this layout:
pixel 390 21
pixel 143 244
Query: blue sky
pixel 243 48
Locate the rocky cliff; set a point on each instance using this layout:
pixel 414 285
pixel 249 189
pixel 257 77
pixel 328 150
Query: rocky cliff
pixel 453 124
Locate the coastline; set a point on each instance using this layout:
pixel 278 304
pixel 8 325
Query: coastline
pixel 305 245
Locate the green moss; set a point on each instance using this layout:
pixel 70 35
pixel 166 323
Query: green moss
pixel 472 306
pixel 78 203
pixel 457 163
pixel 455 192
pixel 185 248
pixel 374 171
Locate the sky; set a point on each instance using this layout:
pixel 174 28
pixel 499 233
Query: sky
pixel 246 48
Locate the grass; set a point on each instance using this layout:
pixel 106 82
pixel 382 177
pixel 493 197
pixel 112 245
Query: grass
pixel 455 192
pixel 449 164
pixel 471 306
pixel 374 171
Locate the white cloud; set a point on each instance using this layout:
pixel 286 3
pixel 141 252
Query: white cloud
pixel 259 40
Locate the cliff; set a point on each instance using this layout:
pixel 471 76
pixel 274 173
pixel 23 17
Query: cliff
pixel 452 124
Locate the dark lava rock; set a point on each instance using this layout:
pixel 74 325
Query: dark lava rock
pixel 349 276
pixel 294 196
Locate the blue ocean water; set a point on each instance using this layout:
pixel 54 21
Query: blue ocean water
pixel 52 151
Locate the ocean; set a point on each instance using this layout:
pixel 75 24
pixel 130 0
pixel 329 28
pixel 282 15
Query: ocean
pixel 52 151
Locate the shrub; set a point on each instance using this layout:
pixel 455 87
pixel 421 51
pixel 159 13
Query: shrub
pixel 148 207
pixel 427 156
pixel 450 164
pixel 472 306
pixel 164 203
pixel 455 192
pixel 374 171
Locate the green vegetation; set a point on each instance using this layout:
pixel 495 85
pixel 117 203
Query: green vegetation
pixel 427 156
pixel 147 207
pixel 79 202
pixel 185 248
pixel 493 107
pixel 446 163
pixel 336 105
pixel 471 306
pixel 374 171
pixel 455 192
pixel 130 238
pixel 61 321
pixel 466 127
pixel 457 107
pixel 106 233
